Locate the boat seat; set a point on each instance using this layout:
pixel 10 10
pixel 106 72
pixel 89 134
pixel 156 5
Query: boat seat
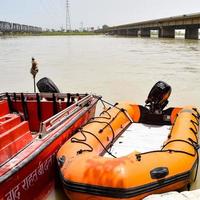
pixel 8 121
pixel 13 140
pixel 4 109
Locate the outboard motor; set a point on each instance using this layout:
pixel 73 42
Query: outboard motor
pixel 47 85
pixel 158 97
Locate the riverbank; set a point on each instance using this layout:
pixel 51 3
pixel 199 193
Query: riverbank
pixel 49 33
pixel 67 33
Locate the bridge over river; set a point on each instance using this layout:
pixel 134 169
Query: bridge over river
pixel 166 27
pixel 7 27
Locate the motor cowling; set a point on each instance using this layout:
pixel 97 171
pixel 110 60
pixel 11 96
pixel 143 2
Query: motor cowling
pixel 47 85
pixel 158 97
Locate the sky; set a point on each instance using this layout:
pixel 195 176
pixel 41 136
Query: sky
pixel 51 14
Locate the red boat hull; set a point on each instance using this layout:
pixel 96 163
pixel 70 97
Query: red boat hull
pixel 27 179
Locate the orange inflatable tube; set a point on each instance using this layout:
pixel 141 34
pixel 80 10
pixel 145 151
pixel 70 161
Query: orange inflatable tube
pixel 86 174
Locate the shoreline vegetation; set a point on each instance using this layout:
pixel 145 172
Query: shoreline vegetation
pixel 69 33
pixel 50 33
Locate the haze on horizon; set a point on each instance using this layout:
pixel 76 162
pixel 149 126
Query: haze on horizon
pixel 92 13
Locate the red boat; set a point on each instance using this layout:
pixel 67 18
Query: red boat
pixel 32 128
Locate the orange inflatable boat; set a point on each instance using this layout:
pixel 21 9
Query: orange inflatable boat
pixel 86 172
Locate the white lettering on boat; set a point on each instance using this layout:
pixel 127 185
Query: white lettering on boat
pixel 30 180
pixel 14 194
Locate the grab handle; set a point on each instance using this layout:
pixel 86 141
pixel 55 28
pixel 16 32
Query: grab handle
pixel 159 172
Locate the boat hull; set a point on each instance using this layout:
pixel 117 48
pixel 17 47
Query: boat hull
pixel 120 195
pixel 37 170
pixel 134 175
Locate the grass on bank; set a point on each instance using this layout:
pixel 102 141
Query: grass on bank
pixel 68 33
pixel 48 33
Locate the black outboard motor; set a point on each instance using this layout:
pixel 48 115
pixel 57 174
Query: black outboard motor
pixel 47 85
pixel 158 97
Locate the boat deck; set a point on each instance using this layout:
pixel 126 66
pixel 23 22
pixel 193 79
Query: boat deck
pixel 141 138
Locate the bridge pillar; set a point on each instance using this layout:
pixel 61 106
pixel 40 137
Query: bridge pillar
pixel 113 32
pixel 132 32
pixel 167 32
pixel 145 32
pixel 122 32
pixel 192 33
pixel 118 32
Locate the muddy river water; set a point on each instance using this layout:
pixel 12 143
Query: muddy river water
pixel 115 67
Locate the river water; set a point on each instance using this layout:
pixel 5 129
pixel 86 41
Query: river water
pixel 115 67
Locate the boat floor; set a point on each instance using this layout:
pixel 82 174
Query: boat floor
pixel 141 138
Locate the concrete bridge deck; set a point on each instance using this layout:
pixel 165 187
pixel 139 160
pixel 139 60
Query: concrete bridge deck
pixel 165 26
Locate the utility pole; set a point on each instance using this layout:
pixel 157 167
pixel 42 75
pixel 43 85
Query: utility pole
pixel 68 24
pixel 81 26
